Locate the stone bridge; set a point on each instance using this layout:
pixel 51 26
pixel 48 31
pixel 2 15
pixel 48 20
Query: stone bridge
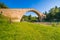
pixel 16 14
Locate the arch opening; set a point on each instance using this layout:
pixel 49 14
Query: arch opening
pixel 34 16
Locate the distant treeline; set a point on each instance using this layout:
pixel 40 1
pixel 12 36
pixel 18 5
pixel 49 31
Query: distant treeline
pixel 30 18
pixel 53 14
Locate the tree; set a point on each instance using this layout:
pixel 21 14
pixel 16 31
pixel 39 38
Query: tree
pixel 57 16
pixel 29 17
pixel 45 13
pixel 2 5
pixel 53 14
pixel 24 18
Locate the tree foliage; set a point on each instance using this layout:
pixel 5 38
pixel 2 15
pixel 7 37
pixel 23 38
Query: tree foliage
pixel 53 14
pixel 29 18
pixel 2 5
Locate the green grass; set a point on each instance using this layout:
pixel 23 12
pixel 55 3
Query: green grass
pixel 28 31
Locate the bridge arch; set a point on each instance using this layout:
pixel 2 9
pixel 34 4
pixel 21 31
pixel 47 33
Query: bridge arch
pixel 40 15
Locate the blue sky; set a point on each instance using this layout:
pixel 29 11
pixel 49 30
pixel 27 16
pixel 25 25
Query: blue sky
pixel 40 5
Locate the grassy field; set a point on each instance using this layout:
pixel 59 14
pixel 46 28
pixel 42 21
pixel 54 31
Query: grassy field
pixel 28 31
